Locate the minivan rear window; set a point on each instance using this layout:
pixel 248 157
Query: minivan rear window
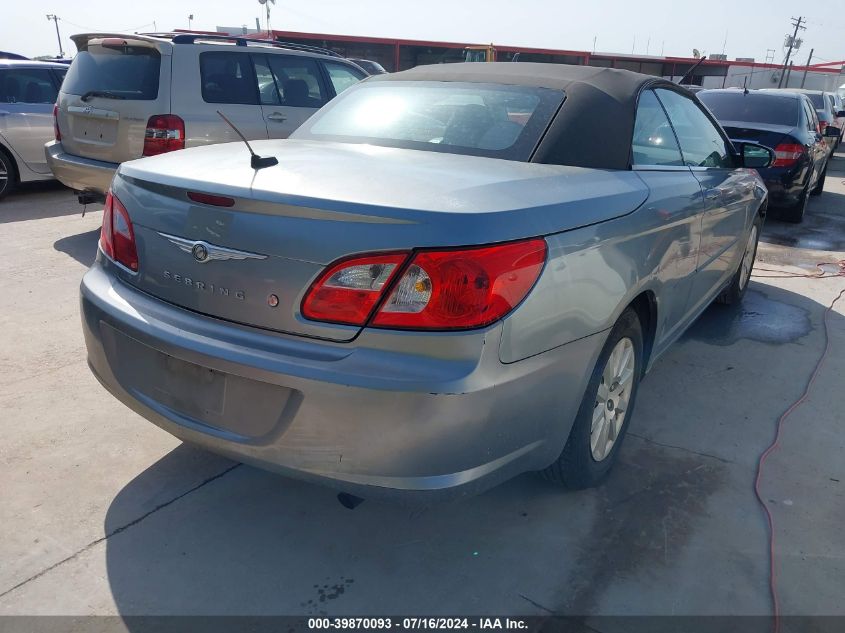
pixel 130 72
pixel 753 107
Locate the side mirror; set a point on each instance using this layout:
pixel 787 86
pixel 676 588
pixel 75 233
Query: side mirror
pixel 840 114
pixel 756 156
pixel 832 131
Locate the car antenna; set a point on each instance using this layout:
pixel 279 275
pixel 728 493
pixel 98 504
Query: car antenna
pixel 745 86
pixel 257 162
pixel 694 66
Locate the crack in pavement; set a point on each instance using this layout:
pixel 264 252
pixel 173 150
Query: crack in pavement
pixel 680 448
pixel 118 530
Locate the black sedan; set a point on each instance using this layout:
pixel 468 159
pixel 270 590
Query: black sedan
pixel 786 122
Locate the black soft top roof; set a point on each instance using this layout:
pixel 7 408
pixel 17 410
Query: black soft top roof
pixel 595 125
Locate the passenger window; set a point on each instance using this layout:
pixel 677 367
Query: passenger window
pixel 701 143
pixel 812 117
pixel 342 76
pixel 297 80
pixel 227 78
pixel 267 91
pixel 654 141
pixel 27 85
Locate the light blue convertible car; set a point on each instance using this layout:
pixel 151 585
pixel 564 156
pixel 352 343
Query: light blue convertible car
pixel 446 277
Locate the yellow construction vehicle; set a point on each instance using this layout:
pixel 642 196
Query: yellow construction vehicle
pixel 480 53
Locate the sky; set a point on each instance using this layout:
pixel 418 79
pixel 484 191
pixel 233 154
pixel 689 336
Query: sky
pixel 742 28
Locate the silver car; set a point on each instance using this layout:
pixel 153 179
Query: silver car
pixel 452 275
pixel 28 92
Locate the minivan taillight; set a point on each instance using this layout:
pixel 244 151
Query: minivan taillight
pixel 117 237
pixel 448 289
pixel 164 133
pixel 56 129
pixel 787 154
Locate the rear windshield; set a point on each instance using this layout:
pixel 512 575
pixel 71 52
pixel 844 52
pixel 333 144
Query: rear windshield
pixel 455 117
pixel 818 100
pixel 754 107
pixel 130 72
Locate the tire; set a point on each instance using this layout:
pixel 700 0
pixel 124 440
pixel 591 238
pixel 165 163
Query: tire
pixel 795 213
pixel 8 175
pixel 577 466
pixel 739 284
pixel 817 190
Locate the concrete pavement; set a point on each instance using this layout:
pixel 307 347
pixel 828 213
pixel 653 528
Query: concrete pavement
pixel 103 513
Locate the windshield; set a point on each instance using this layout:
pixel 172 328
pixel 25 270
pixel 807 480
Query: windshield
pixel 130 72
pixel 456 117
pixel 753 107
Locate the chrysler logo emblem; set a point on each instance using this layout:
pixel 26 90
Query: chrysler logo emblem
pixel 204 252
pixel 200 252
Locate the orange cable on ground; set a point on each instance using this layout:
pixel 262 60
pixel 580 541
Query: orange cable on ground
pixel 776 442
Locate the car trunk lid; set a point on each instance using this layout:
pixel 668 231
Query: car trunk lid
pixel 114 85
pixel 763 133
pixel 324 201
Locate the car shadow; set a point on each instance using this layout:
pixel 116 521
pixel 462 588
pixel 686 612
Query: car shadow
pixel 38 201
pixel 250 542
pixel 82 246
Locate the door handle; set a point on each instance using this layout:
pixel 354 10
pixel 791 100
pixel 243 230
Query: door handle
pixel 277 116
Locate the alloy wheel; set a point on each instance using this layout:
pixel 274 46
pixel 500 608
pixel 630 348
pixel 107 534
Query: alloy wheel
pixel 612 399
pixel 748 258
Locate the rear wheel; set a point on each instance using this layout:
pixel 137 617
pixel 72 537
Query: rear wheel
pixel 602 418
pixel 8 175
pixel 795 213
pixel 739 283
pixel 817 190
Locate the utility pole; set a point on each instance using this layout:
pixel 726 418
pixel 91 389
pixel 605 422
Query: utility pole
pixel 55 19
pixel 190 19
pixel 809 61
pixel 788 73
pixel 797 22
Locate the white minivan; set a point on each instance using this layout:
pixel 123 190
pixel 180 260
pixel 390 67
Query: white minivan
pixel 128 96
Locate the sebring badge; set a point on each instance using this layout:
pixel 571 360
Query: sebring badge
pixel 204 252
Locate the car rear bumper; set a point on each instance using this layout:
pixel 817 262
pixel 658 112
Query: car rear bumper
pixel 784 185
pixel 357 416
pixel 77 172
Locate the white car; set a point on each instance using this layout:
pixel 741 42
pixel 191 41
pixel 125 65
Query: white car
pixel 28 91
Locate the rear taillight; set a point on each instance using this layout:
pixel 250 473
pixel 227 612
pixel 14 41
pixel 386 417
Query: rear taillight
pixel 787 154
pixel 348 290
pixel 117 237
pixel 56 129
pixel 822 126
pixel 438 290
pixel 165 133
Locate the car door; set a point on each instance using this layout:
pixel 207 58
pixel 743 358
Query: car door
pixel 814 143
pixel 291 88
pixel 728 193
pixel 27 96
pixel 228 85
pixel 674 207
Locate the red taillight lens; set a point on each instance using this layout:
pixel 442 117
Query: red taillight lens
pixel 439 289
pixel 462 289
pixel 56 130
pixel 207 198
pixel 349 290
pixel 117 237
pixel 787 154
pixel 165 133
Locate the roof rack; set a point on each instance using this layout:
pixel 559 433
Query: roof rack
pixel 190 38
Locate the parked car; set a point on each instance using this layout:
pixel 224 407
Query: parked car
pixel 28 91
pixel 838 109
pixel 485 306
pixel 824 110
pixel 786 122
pixel 372 68
pixel 120 101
